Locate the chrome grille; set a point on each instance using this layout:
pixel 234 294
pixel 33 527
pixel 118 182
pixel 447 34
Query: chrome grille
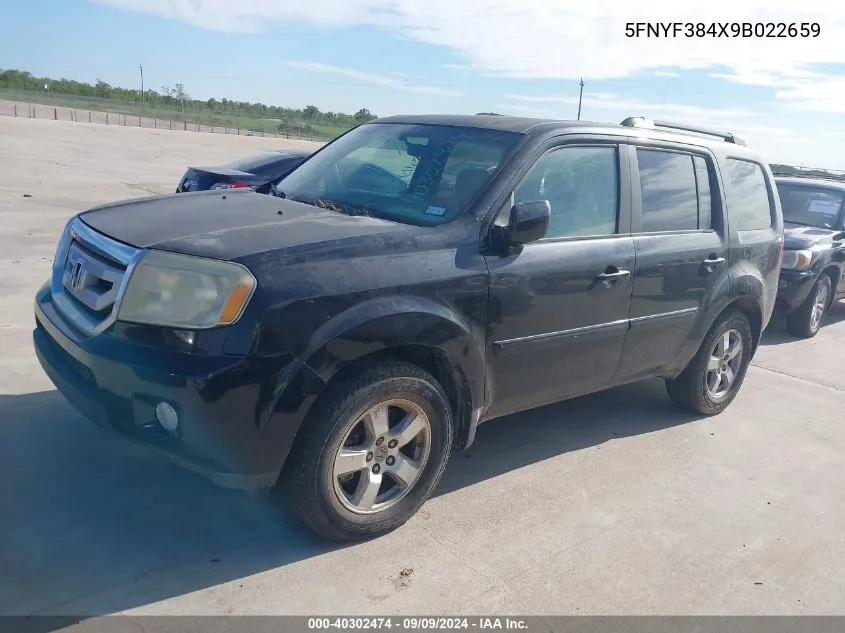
pixel 90 273
pixel 91 280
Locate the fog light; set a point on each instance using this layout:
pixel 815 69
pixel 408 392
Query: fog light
pixel 167 416
pixel 186 336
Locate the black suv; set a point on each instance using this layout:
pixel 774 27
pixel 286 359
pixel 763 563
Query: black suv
pixel 343 336
pixel 814 230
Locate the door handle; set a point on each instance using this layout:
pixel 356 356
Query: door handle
pixel 607 278
pixel 711 262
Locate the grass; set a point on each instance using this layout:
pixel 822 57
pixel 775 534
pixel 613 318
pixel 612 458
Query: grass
pixel 199 117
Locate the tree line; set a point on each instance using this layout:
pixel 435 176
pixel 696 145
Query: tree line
pixel 177 97
pixel 807 171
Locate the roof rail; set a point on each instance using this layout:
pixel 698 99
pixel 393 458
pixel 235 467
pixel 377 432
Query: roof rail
pixel 489 114
pixel 639 121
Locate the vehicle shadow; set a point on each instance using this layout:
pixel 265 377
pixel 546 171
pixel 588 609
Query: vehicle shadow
pixel 777 334
pixel 92 524
pixel 514 441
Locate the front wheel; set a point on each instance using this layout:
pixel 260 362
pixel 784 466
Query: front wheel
pixel 370 452
pixel 807 319
pixel 712 379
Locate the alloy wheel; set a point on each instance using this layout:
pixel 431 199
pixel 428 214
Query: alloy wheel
pixel 382 456
pixel 819 307
pixel 724 365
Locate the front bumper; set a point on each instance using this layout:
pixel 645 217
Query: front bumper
pixel 236 425
pixel 793 288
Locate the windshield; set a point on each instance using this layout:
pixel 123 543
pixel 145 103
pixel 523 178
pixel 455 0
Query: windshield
pixel 416 174
pixel 811 206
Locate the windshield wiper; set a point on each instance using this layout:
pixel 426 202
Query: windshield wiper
pixel 330 205
pixel 322 203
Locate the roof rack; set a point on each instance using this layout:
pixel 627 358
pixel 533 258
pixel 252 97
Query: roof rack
pixel 489 114
pixel 639 121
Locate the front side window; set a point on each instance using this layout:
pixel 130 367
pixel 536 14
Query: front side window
pixel 424 175
pixel 811 206
pixel 582 187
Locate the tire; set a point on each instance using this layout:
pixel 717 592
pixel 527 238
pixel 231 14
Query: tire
pixel 806 320
pixel 326 501
pixel 692 388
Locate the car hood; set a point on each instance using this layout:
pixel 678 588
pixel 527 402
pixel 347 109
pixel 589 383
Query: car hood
pixel 797 236
pixel 235 175
pixel 232 224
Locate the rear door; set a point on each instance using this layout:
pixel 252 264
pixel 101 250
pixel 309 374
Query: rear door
pixel 681 246
pixel 558 309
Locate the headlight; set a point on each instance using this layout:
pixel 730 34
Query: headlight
pixel 182 291
pixel 797 260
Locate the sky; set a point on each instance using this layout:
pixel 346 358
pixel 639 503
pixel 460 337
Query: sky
pixel 785 96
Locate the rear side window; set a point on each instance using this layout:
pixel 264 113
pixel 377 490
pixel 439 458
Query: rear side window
pixel 670 196
pixel 748 196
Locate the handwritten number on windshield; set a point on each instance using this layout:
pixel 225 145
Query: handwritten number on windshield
pixel 438 162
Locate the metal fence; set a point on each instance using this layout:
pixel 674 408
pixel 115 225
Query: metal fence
pixel 114 112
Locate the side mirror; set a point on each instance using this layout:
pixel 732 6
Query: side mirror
pixel 529 221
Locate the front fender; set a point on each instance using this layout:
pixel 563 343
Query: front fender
pixel 390 322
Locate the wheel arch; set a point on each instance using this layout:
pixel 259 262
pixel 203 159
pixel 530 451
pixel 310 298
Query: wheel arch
pixel 753 311
pixel 748 304
pixel 449 374
pixel 833 271
pixel 417 330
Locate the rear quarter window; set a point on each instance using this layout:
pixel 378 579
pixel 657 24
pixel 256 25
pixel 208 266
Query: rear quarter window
pixel 749 203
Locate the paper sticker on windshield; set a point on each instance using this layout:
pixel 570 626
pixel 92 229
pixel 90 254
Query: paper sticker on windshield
pixel 435 210
pixel 826 207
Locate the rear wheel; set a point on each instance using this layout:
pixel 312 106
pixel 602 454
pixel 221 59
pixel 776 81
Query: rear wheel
pixel 370 453
pixel 713 377
pixel 807 319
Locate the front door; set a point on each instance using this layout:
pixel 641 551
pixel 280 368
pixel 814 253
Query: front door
pixel 682 254
pixel 558 311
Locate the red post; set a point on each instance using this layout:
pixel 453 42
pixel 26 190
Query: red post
pixel 55 114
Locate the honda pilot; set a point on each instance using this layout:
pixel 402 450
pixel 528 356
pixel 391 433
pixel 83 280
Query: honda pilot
pixel 339 339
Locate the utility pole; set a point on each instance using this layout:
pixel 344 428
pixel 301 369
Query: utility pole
pixel 580 95
pixel 141 68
